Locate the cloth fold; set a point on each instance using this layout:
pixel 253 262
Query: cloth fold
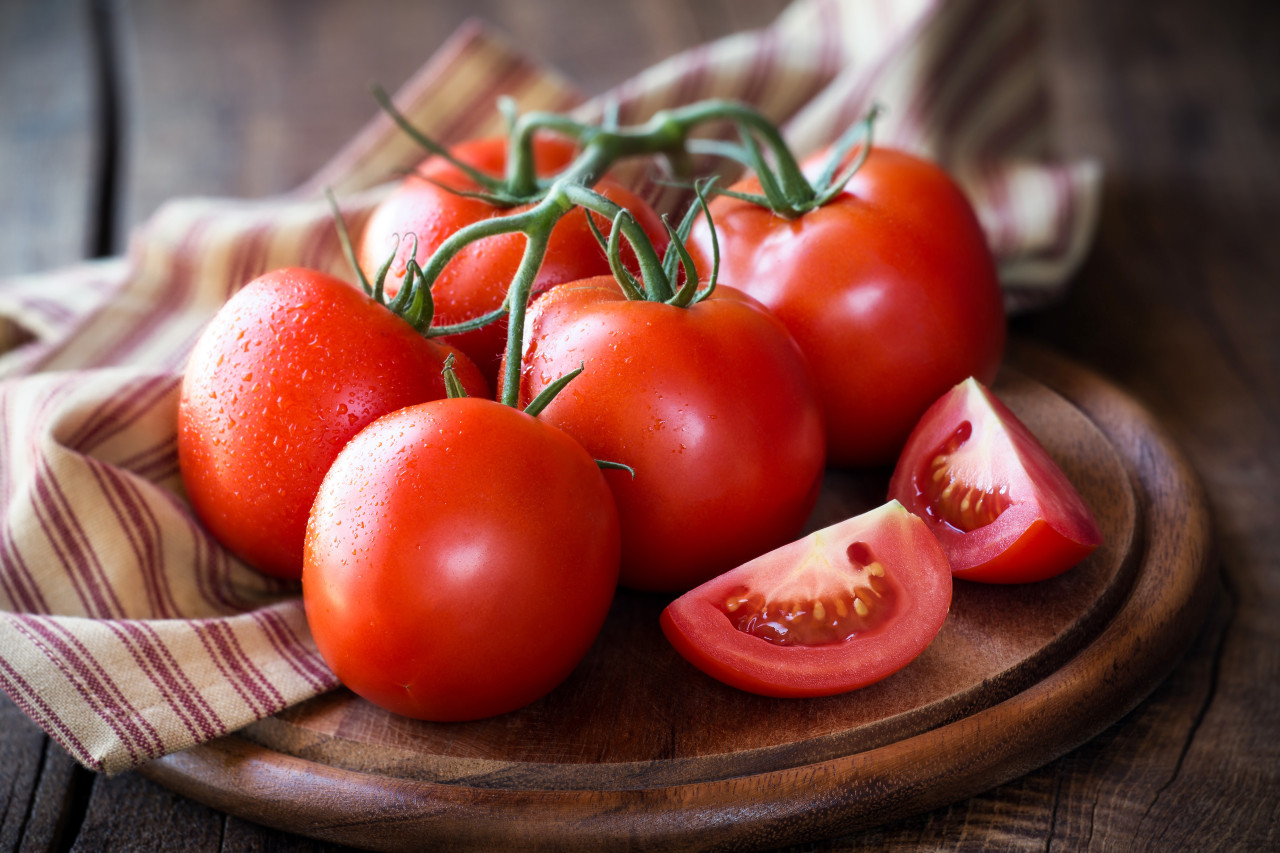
pixel 126 631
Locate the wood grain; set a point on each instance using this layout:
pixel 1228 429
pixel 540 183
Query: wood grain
pixel 604 763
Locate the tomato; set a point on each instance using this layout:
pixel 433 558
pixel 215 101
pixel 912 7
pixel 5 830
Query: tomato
pixel 1001 507
pixel 288 370
pixel 461 558
pixel 837 610
pixel 889 288
pixel 476 281
pixel 711 405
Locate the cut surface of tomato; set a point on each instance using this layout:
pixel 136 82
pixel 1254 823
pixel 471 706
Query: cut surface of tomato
pixel 839 609
pixel 1000 506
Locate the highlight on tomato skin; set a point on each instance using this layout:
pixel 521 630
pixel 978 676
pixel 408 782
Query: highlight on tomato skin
pixel 839 609
pixel 1002 509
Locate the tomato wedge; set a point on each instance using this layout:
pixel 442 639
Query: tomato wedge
pixel 837 610
pixel 1001 507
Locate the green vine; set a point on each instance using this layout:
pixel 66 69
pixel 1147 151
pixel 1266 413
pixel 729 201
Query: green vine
pixel 785 189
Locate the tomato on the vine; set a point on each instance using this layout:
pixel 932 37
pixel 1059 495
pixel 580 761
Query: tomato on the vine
pixel 711 405
pixel 1001 507
pixel 461 559
pixel 430 205
pixel 889 289
pixel 286 372
pixel 842 608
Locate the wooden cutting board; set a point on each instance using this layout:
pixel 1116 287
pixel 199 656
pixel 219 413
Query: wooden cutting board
pixel 639 750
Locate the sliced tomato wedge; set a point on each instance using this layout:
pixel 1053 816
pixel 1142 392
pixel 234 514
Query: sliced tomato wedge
pixel 1001 507
pixel 837 610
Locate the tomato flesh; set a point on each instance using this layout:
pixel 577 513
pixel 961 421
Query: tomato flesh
pixel 842 608
pixel 951 496
pixel 1001 507
pixel 792 612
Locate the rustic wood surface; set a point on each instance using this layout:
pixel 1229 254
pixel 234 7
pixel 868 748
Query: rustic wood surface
pixel 110 107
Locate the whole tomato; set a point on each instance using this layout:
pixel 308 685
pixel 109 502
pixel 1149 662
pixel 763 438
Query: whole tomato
pixel 889 289
pixel 476 281
pixel 461 559
pixel 711 405
pixel 287 371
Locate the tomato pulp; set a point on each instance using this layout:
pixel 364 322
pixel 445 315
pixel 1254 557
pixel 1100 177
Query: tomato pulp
pixel 841 608
pixel 461 557
pixel 889 289
pixel 1001 507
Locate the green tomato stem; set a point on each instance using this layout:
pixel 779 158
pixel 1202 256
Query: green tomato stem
pixel 655 280
pixel 666 133
pixel 546 395
pixel 521 287
pixel 522 175
pixel 452 384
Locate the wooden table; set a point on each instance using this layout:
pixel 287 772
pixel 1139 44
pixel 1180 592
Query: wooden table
pixel 108 108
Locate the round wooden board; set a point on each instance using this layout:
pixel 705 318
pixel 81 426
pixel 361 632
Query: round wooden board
pixel 638 750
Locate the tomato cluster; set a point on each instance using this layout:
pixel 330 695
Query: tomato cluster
pixel 458 553
pixel 437 200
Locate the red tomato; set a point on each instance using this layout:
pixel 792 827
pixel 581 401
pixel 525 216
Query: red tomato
pixel 837 610
pixel 288 370
pixel 476 281
pixel 713 407
pixel 889 289
pixel 461 558
pixel 1002 509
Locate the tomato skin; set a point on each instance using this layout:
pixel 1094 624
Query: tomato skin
pixel 713 407
pixel 461 559
pixel 915 571
pixel 288 370
pixel 889 289
pixel 1045 527
pixel 476 281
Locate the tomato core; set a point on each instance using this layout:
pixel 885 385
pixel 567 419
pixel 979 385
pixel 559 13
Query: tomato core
pixel 950 496
pixel 789 613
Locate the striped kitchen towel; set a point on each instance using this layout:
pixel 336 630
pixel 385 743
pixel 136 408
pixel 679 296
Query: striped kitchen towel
pixel 126 631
